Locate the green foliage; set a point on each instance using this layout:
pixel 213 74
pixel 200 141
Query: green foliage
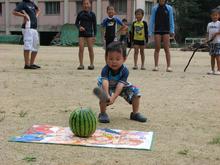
pixel 215 141
pixel 192 17
pixel 30 159
pixel 184 152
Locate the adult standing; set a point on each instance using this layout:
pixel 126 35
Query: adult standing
pixel 162 27
pixel 29 11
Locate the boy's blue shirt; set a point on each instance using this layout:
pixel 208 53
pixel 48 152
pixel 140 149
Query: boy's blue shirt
pixel 117 19
pixel 153 15
pixel 114 78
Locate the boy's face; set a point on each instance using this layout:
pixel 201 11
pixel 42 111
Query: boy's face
pixel 139 16
pixel 115 60
pixel 86 5
pixel 111 12
pixel 215 16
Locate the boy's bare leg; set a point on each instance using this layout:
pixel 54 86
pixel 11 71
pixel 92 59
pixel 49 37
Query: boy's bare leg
pixel 157 39
pixel 142 57
pixel 33 57
pixel 213 63
pixel 166 45
pixel 102 106
pixel 135 104
pixel 26 57
pixel 218 62
pixel 90 42
pixel 81 50
pixel 136 51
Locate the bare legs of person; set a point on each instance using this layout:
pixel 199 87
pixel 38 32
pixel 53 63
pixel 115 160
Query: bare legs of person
pixel 90 42
pixel 166 44
pixel 136 52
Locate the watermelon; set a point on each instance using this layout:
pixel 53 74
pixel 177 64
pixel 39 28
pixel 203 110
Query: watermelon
pixel 82 122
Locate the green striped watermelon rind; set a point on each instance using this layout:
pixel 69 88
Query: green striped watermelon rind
pixel 82 122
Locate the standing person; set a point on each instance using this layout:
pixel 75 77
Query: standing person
pixel 29 11
pixel 113 81
pixel 139 35
pixel 124 36
pixel 213 30
pixel 110 26
pixel 86 23
pixel 162 27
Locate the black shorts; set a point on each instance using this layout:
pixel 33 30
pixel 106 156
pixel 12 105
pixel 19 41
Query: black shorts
pixel 137 42
pixel 161 33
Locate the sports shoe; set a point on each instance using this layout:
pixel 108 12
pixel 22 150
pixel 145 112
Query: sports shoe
pixel 29 67
pixel 91 67
pixel 36 66
pixel 155 69
pixel 169 69
pixel 137 117
pixel 211 72
pixel 81 67
pixel 217 73
pixel 103 117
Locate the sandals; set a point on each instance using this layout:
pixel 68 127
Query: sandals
pixel 155 69
pixel 137 117
pixel 169 69
pixel 91 67
pixel 135 68
pixel 81 67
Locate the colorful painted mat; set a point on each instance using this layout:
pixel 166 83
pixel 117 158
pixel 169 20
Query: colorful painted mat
pixel 101 138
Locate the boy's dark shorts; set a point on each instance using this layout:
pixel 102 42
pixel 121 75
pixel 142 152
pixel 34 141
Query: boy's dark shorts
pixel 128 93
pixel 214 49
pixel 137 42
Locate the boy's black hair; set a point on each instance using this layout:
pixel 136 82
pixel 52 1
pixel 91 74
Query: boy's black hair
pixel 214 11
pixel 139 11
pixel 124 20
pixel 85 0
pixel 115 46
pixel 158 1
pixel 110 6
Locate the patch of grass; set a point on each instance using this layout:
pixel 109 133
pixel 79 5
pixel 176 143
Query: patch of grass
pixel 184 152
pixel 30 159
pixel 22 113
pixel 215 141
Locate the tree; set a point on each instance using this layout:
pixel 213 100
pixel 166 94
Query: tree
pixel 192 17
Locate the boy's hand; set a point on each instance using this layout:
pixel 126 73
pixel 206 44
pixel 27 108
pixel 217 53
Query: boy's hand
pixel 82 29
pixel 111 101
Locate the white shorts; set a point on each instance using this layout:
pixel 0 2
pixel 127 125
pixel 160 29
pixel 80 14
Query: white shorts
pixel 31 39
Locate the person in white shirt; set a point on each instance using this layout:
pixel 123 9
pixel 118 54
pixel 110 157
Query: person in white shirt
pixel 213 33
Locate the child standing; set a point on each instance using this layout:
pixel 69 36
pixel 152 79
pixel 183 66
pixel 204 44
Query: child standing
pixel 86 23
pixel 139 35
pixel 29 11
pixel 213 30
pixel 162 27
pixel 113 81
pixel 110 26
pixel 124 35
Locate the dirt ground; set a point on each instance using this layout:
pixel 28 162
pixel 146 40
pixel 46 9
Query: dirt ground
pixel 183 109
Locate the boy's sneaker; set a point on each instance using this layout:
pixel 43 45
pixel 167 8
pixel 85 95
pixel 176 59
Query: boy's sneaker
pixel 217 73
pixel 36 66
pixel 211 72
pixel 137 117
pixel 103 117
pixel 29 67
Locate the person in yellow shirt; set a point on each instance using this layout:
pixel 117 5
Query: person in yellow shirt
pixel 139 37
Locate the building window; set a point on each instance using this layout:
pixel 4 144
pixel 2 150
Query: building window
pixel 52 8
pixel 148 7
pixel 119 5
pixel 78 6
pixel 0 8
